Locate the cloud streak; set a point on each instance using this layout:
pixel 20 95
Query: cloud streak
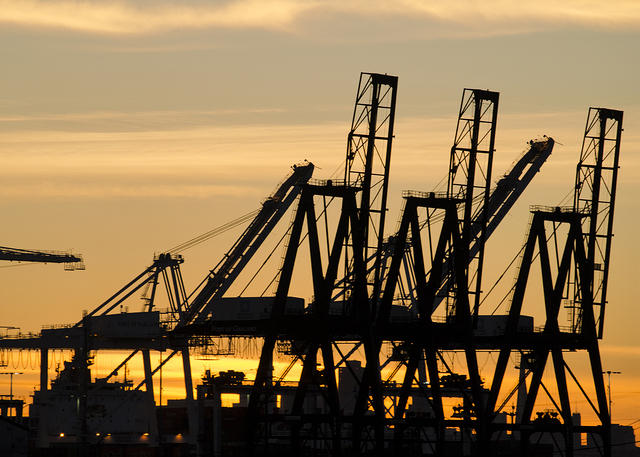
pixel 290 16
pixel 187 154
pixel 127 18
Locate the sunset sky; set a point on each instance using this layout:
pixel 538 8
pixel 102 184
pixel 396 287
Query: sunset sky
pixel 127 127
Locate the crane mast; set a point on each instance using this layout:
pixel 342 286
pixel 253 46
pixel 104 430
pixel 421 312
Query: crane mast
pixel 595 194
pixel 470 178
pixel 368 161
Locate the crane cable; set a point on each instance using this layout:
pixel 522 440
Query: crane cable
pixel 214 232
pixel 504 298
pixel 516 257
pixel 221 229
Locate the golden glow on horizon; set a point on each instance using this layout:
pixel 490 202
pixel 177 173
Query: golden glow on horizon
pixel 624 387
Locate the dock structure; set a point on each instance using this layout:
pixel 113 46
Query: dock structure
pixel 388 314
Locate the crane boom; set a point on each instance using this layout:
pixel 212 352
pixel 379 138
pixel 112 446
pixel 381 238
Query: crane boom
pixel 502 198
pixel 30 255
pixel 220 278
pixel 512 184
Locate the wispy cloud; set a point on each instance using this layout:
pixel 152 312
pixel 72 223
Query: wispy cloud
pixel 188 162
pixel 487 17
pixel 189 153
pixel 122 17
pixel 588 12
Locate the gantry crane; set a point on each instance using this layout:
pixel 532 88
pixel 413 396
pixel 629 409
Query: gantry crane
pixel 470 211
pixel 476 211
pixel 574 249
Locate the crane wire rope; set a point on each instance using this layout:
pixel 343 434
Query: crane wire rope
pixel 214 232
pixel 229 226
pixel 264 263
pixel 553 233
pixel 235 223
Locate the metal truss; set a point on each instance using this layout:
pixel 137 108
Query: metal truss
pixel 595 193
pixel 316 333
pixel 470 175
pixel 450 253
pixel 553 339
pixel 368 160
pixel 440 258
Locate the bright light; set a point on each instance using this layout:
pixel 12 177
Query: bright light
pixel 98 434
pixel 61 435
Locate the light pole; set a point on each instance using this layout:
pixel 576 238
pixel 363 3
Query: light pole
pixel 609 373
pixel 11 373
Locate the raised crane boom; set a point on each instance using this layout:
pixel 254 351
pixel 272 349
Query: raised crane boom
pixel 220 278
pixel 502 198
pixel 514 182
pixel 73 261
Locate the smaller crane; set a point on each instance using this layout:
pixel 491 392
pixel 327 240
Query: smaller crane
pixel 71 261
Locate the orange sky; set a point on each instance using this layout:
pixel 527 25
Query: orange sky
pixel 127 127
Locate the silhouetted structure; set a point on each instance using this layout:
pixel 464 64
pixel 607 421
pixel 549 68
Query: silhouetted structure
pixel 70 261
pixel 388 313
